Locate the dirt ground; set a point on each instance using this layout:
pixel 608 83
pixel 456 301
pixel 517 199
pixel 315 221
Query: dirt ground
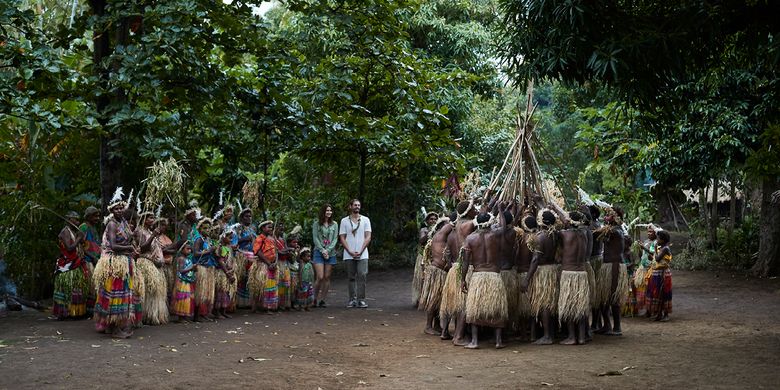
pixel 724 333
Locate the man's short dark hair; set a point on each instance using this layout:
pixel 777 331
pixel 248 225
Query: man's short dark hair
pixel 453 216
pixel 576 216
pixel 462 206
pixel 482 218
pixel 508 217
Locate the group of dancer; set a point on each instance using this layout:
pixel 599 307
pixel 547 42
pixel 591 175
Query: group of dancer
pixel 135 273
pixel 524 269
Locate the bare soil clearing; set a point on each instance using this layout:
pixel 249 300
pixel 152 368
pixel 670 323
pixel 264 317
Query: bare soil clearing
pixel 724 333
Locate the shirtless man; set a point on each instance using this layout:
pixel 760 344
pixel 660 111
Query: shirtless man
pixel 486 301
pixel 435 275
pixel 544 273
pixel 523 255
pixel 596 258
pixel 573 297
pixel 506 263
pixel 453 299
pixel 612 280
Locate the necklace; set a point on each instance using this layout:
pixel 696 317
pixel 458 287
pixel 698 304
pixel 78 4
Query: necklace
pixel 354 226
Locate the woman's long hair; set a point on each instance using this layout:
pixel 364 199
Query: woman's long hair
pixel 322 218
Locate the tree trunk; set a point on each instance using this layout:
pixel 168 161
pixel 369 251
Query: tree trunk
pixel 110 163
pixel 768 263
pixel 362 188
pixel 732 205
pixel 714 215
pixel 703 219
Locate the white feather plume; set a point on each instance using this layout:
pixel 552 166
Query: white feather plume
pixel 602 204
pixel 138 202
pixel 584 197
pixel 198 215
pixel 218 214
pixel 130 197
pixel 193 203
pixel 158 212
pixel 118 194
pixel 221 196
pixel 240 209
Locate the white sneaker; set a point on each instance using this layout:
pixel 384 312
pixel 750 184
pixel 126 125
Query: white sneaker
pixel 352 303
pixel 362 304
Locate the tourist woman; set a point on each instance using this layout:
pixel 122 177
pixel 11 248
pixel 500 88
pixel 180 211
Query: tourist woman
pixel 324 236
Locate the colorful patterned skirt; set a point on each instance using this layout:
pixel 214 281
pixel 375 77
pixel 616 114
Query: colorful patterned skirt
pixel 70 294
pixel 116 305
pixel 659 292
pixel 183 299
pixel 305 295
pixel 283 285
pixel 270 291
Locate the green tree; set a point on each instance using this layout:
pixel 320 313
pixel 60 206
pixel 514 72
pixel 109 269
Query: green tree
pixel 702 75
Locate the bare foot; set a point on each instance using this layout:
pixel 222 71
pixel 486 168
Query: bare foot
pixel 569 341
pixel 431 331
pixel 582 341
pixel 446 336
pixel 500 345
pixel 664 319
pixel 225 315
pixel 459 342
pixel 614 333
pixel 471 345
pixel 543 341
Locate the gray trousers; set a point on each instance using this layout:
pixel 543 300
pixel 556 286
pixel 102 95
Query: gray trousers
pixel 357 271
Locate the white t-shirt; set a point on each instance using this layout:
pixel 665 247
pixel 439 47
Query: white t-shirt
pixel 355 241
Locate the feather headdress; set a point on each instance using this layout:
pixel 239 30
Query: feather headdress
pixel 116 199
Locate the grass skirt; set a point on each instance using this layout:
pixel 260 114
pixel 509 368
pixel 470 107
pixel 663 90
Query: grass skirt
pixel 70 294
pixel 294 284
pixel 453 300
pixel 257 278
pixel 283 285
pixel 509 279
pixel 573 296
pixel 430 298
pixel 659 292
pixel 523 299
pixel 544 289
pixel 183 299
pixel 155 296
pixel 116 305
pixel 243 296
pixel 205 281
pixel 224 291
pixel 417 279
pixel 591 285
pixel 604 295
pixel 486 301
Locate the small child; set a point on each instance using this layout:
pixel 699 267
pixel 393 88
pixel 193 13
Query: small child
pixel 305 295
pixel 225 284
pixel 183 298
pixel 294 248
pixel 659 288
